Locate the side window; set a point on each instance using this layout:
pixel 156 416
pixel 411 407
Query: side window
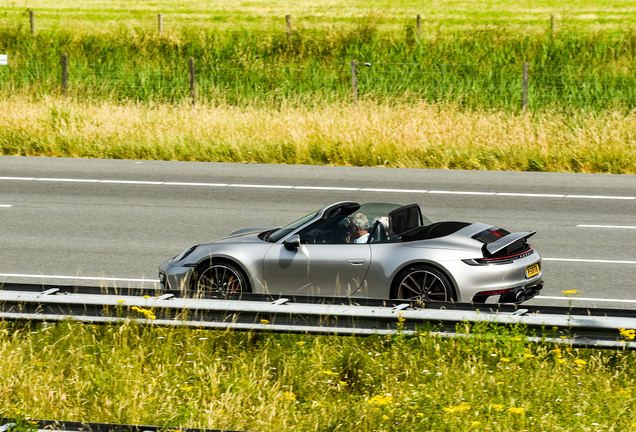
pixel 405 218
pixel 331 230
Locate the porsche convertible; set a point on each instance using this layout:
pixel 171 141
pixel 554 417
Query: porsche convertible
pixel 376 250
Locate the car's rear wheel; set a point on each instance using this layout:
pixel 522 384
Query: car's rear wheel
pixel 423 283
pixel 221 276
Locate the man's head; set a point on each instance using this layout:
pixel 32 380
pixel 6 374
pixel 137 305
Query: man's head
pixel 358 226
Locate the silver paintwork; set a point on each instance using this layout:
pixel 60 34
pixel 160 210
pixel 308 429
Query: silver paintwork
pixel 356 270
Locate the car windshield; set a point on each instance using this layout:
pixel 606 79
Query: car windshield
pixel 282 232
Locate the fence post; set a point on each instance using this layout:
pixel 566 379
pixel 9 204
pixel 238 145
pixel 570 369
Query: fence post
pixel 552 26
pixel 32 19
pixel 193 89
pixel 160 23
pixel 419 27
pixel 524 95
pixel 289 28
pixel 64 73
pixel 354 81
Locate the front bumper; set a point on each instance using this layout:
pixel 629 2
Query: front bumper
pixel 174 277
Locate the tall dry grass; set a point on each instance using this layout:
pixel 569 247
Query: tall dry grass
pixel 417 135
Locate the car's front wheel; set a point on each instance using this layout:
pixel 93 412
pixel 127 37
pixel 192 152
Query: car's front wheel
pixel 219 277
pixel 423 283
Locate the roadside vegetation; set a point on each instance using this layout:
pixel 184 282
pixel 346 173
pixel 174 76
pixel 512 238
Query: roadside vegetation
pixel 414 135
pixel 180 377
pixel 448 98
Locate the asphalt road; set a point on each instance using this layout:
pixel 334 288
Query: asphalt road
pixel 105 227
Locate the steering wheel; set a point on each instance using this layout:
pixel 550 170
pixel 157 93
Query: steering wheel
pixel 318 237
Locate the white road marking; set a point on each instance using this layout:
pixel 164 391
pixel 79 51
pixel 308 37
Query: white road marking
pixel 394 190
pixel 588 260
pixel 67 180
pixel 327 188
pixel 461 193
pixel 530 195
pixel 78 277
pixel 586 299
pixel 261 186
pixel 132 182
pixel 600 197
pixel 607 226
pixel 6 205
pixel 195 184
pixel 17 178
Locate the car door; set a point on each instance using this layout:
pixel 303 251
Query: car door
pixel 316 269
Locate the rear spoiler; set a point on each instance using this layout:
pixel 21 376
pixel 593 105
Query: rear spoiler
pixel 506 241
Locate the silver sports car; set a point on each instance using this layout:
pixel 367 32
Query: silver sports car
pixel 370 250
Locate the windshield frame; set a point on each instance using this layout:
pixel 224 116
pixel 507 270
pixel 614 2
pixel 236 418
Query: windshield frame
pixel 288 229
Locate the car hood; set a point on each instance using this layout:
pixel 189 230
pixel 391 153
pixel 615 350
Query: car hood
pixel 249 237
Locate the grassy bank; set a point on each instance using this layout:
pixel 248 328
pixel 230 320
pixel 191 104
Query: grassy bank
pixel 417 135
pixel 192 378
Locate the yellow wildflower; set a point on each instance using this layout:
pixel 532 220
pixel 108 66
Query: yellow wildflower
pixel 504 359
pixel 580 362
pixel 289 396
pixel 516 410
pixel 497 407
pixel 571 292
pixel 381 400
pixel 627 334
pixel 264 321
pixel 462 407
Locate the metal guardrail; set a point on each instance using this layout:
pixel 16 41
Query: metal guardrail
pixel 591 327
pixel 6 425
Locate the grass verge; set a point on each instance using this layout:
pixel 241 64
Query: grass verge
pixel 172 377
pixel 410 135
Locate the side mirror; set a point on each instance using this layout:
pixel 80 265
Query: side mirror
pixel 292 242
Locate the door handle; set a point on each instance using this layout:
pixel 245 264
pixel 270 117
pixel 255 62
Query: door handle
pixel 355 261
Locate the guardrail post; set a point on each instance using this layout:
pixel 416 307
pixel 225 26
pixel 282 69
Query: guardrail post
pixel 193 89
pixel 64 73
pixel 524 95
pixel 354 81
pixel 160 22
pixel 419 27
pixel 32 19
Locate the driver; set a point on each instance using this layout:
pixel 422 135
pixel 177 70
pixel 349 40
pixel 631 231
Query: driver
pixel 358 229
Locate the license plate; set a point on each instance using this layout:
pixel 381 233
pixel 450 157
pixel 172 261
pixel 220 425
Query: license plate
pixel 533 270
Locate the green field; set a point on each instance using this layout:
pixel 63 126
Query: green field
pixel 468 52
pixel 533 16
pixel 179 377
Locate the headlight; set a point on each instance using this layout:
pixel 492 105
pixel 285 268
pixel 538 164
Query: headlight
pixel 186 252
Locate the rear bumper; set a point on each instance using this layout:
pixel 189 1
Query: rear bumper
pixel 515 295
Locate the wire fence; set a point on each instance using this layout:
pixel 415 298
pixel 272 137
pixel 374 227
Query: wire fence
pixel 513 85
